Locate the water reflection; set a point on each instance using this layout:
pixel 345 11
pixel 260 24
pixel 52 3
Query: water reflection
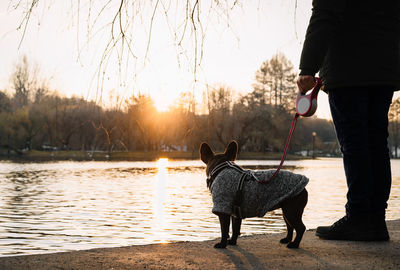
pixel 60 206
pixel 159 197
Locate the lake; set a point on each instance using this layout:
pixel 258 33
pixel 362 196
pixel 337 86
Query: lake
pixel 63 206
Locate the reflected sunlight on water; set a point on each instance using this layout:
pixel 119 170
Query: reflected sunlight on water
pixel 160 195
pixel 60 206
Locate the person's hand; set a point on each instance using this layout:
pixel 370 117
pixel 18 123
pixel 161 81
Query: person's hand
pixel 305 83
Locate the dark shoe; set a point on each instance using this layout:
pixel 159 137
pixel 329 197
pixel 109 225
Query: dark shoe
pixel 355 228
pixel 379 227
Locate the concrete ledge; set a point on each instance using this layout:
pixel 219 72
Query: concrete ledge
pixel 253 252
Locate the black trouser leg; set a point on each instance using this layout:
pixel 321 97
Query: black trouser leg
pixel 360 118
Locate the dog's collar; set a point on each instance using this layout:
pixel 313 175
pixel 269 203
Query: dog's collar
pixel 219 168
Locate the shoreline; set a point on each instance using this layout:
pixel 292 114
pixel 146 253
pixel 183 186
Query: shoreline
pixel 43 156
pixel 252 252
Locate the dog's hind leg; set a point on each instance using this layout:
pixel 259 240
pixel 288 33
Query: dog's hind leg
pixel 289 234
pixel 293 211
pixel 236 223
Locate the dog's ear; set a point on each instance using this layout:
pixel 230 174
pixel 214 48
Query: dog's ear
pixel 206 153
pixel 231 150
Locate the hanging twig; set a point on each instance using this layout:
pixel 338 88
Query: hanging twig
pixel 150 30
pixel 25 20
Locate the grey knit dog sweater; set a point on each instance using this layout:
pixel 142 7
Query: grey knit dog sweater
pixel 258 198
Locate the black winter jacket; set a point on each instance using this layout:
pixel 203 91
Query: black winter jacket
pixel 353 43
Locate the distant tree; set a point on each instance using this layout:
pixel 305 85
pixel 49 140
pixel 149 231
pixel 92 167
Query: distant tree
pixel 275 82
pixel 185 102
pixel 18 132
pixel 7 131
pixel 28 86
pixel 183 124
pixel 24 81
pixel 243 117
pixel 40 92
pixel 127 138
pixel 69 120
pixel 87 137
pixel 220 101
pixel 108 126
pixel 47 109
pixel 5 103
pixel 143 116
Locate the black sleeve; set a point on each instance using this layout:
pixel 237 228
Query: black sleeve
pixel 324 21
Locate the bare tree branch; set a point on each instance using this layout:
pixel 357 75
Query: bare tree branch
pixel 151 28
pixel 25 20
pixel 123 42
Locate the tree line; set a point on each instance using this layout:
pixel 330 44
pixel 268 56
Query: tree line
pixel 33 117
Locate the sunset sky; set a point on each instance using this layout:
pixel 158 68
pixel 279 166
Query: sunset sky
pixel 57 42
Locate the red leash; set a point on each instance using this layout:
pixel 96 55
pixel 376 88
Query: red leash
pixel 285 150
pixel 306 105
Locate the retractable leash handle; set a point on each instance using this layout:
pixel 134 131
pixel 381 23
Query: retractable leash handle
pixel 306 105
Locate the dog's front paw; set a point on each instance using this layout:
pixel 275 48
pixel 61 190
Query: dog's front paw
pixel 293 245
pixel 284 240
pixel 232 242
pixel 220 245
